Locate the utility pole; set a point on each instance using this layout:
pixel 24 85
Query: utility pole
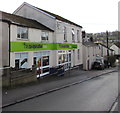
pixel 107 49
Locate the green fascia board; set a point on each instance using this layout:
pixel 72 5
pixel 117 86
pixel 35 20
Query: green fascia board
pixel 35 46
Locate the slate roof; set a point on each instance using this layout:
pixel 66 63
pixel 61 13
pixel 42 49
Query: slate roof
pixel 52 14
pixel 89 44
pixel 22 21
pixel 59 17
pixel 105 46
pixel 117 44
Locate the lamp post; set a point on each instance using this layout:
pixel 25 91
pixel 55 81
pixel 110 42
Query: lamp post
pixel 107 49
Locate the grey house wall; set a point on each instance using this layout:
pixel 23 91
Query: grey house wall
pixel 5 44
pixel 32 13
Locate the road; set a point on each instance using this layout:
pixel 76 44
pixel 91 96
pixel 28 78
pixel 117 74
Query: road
pixel 97 94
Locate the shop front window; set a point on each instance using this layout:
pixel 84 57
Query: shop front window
pixel 42 59
pixel 17 63
pixel 69 57
pixel 60 59
pixel 64 58
pixel 21 60
pixel 45 61
pixel 34 61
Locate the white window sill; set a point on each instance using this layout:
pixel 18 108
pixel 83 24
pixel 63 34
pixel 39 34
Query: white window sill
pixel 22 39
pixel 44 41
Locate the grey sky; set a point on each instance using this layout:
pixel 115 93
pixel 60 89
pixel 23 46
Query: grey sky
pixel 93 15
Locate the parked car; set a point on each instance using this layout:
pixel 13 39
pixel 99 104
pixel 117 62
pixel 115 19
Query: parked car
pixel 99 63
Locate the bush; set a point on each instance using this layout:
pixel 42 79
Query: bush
pixel 111 60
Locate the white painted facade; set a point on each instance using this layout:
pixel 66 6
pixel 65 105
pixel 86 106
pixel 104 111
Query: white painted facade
pixel 29 11
pixel 103 50
pixel 4 46
pixel 89 55
pixel 116 49
pixel 34 35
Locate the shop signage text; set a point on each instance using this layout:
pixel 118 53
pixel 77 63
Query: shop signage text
pixel 34 46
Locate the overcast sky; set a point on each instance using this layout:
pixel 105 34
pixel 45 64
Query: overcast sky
pixel 93 15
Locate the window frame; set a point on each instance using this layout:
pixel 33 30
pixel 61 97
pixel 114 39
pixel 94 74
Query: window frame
pixel 65 33
pixel 73 35
pixel 19 56
pixel 78 35
pixel 20 31
pixel 46 38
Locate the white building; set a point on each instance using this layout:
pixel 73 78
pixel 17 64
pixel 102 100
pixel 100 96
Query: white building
pixel 90 52
pixel 48 43
pixel 116 48
pixel 104 49
pixel 22 43
pixel 67 35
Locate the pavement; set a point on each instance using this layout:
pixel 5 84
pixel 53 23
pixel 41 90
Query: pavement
pixel 49 84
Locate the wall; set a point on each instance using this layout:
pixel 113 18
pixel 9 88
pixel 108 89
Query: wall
pixel 104 51
pixel 89 53
pixel 60 32
pixel 34 35
pixel 5 44
pixel 60 39
pixel 30 12
pixel 0 44
pixel 15 78
pixel 58 36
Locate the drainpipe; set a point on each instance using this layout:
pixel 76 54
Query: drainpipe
pixel 9 42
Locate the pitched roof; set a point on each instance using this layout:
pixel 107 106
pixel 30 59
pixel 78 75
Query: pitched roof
pixel 51 14
pixel 105 46
pixel 89 44
pixel 22 21
pixel 60 18
pixel 117 44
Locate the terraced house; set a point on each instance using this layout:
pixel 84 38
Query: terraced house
pixel 32 36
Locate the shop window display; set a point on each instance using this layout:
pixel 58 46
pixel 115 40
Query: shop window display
pixel 21 60
pixel 42 61
pixel 64 58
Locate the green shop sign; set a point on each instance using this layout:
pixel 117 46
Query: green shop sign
pixel 33 46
